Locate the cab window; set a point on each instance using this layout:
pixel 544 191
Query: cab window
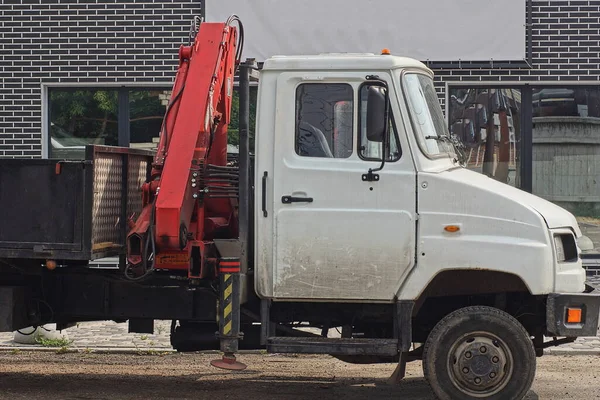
pixel 324 120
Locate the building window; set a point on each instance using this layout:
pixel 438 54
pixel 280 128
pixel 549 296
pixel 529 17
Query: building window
pixel 564 141
pixel 233 130
pixel 324 120
pixel 78 117
pixel 147 109
pixel 487 121
pixel 566 154
pixel 81 117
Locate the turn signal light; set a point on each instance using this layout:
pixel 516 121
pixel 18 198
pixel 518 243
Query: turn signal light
pixel 573 315
pixel 452 228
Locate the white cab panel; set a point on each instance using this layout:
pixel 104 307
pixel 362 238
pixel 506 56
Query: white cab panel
pixel 356 239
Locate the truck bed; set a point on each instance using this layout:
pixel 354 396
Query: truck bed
pixel 70 209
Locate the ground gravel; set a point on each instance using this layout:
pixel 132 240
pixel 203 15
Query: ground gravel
pixel 48 375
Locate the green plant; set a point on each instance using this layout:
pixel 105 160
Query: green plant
pixel 144 337
pixel 60 342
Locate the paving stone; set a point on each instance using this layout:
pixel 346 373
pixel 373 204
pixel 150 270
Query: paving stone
pixel 112 335
pixel 109 335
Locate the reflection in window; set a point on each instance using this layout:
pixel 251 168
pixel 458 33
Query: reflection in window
pixel 566 154
pixel 487 121
pixel 146 112
pixel 233 130
pixel 370 150
pixel 81 117
pixel 324 120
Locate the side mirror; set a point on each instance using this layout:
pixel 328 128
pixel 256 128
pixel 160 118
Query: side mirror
pixel 376 113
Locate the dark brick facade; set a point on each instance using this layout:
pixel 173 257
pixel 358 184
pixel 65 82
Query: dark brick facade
pixel 565 47
pixel 80 41
pixel 126 41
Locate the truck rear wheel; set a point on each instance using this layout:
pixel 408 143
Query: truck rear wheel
pixel 479 352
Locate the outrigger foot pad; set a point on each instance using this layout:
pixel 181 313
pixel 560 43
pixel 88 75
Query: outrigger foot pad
pixel 228 362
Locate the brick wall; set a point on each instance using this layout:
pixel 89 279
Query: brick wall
pixel 70 41
pixel 80 41
pixel 566 47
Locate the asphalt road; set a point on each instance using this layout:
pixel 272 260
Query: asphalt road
pixel 40 375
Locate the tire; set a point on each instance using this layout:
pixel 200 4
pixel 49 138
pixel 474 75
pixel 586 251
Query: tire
pixel 479 353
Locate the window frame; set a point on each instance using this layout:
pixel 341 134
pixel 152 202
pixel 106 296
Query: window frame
pixel 296 114
pixel 359 128
pixel 123 114
pixel 128 121
pixel 411 117
pixel 92 89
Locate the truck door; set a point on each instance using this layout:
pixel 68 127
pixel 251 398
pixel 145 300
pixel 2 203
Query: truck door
pixel 336 236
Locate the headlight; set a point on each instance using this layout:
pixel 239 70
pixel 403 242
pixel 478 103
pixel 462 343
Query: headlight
pixel 560 249
pixel 566 248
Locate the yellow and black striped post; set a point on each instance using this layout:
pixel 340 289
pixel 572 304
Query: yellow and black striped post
pixel 229 313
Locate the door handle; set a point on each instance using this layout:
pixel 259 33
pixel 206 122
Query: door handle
pixel 292 199
pixel 264 194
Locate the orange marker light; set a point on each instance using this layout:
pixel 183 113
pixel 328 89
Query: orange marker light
pixel 573 315
pixel 386 52
pixel 452 228
pixel 51 265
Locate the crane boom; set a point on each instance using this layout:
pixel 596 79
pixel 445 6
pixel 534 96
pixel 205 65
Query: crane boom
pixel 177 214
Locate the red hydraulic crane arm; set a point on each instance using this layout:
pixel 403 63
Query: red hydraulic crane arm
pixel 209 77
pixel 194 135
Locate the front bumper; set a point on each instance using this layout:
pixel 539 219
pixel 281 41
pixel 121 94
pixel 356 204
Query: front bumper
pixel 556 313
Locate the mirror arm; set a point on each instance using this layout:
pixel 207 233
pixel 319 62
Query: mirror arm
pixel 384 144
pixel 371 176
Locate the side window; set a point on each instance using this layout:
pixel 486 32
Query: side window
pixel 324 120
pixel 370 150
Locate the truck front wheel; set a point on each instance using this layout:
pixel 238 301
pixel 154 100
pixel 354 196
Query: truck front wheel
pixel 479 352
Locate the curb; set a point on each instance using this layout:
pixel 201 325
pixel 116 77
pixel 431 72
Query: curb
pixel 572 352
pixel 167 351
pixel 113 350
pixel 90 350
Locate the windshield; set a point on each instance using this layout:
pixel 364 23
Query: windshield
pixel 428 120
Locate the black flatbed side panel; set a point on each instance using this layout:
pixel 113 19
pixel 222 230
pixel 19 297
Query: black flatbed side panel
pixel 70 209
pixel 41 212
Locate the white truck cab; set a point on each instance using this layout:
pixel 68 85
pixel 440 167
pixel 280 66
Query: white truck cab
pixel 326 233
pixel 361 201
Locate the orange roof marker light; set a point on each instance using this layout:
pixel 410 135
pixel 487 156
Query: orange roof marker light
pixel 386 52
pixel 452 228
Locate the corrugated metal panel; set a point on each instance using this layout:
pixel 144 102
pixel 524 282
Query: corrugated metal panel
pixel 108 183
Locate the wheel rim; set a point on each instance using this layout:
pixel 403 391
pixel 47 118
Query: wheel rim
pixel 480 364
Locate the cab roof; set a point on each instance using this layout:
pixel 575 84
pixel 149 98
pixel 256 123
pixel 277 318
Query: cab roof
pixel 343 61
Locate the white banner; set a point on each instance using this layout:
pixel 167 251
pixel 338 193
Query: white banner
pixel 435 30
